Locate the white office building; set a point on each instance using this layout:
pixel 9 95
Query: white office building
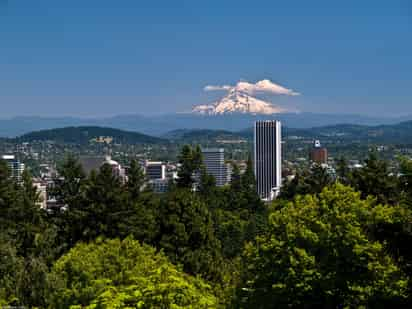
pixel 214 161
pixel 155 170
pixel 268 158
pixel 15 166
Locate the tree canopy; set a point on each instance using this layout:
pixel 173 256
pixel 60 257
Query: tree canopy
pixel 124 274
pixel 319 252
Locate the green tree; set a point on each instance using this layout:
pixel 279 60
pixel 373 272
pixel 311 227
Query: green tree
pixel 248 180
pixel 318 178
pixel 235 182
pixel 249 198
pixel 319 252
pixel 123 274
pixel 405 181
pixel 105 204
pixel 187 234
pixel 375 179
pixel 190 163
pixel 141 218
pixel 230 229
pixel 11 267
pixel 70 184
pixel 27 243
pixel 8 198
pixel 310 181
pixel 343 171
pixel 69 190
pixel 136 180
pixel 207 183
pixel 296 186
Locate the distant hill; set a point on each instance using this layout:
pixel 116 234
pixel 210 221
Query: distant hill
pixel 396 133
pixel 87 134
pixel 199 135
pixel 159 125
pixel 400 133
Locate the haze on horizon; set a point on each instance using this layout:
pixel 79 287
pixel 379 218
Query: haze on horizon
pixel 104 58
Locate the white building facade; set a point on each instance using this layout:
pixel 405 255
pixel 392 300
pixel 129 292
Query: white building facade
pixel 214 161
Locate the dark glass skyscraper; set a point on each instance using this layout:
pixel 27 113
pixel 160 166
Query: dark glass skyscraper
pixel 268 158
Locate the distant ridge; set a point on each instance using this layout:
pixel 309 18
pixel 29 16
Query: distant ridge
pixel 87 134
pixel 400 133
pixel 159 125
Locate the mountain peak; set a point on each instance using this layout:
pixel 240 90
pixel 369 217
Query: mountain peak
pixel 238 101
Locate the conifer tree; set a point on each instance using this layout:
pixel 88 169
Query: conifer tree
pixel 136 180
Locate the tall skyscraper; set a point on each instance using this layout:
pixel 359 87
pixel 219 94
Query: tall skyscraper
pixel 214 161
pixel 268 158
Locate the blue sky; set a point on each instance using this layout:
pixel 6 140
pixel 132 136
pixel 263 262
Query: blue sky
pixel 101 58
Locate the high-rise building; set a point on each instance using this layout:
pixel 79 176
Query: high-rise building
pixel 319 154
pixel 268 158
pixel 15 166
pixel 214 161
pixel 155 170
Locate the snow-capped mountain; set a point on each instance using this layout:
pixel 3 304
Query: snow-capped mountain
pixel 237 101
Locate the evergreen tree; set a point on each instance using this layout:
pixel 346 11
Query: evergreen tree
pixel 29 216
pixel 136 180
pixel 375 179
pixel 105 204
pixel 343 171
pixel 69 185
pixel 8 198
pixel 190 162
pixel 318 178
pixel 69 191
pixel 296 186
pixel 250 199
pixel 187 234
pixel 248 180
pixel 235 182
pixel 207 183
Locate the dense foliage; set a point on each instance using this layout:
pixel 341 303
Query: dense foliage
pixel 321 251
pixel 329 241
pixel 119 274
pixel 86 134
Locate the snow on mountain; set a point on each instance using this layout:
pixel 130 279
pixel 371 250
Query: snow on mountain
pixel 238 101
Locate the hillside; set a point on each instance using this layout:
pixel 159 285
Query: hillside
pixel 397 133
pixel 199 135
pixel 161 124
pixel 87 134
pixel 400 133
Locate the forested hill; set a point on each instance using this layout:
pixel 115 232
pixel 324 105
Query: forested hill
pixel 400 133
pixel 396 133
pixel 87 134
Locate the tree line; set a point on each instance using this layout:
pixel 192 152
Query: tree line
pixel 327 242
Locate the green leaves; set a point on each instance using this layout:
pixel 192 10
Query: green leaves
pixel 319 251
pixel 190 160
pixel 187 234
pixel 124 274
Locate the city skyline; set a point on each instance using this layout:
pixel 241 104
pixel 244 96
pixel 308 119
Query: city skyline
pixel 100 58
